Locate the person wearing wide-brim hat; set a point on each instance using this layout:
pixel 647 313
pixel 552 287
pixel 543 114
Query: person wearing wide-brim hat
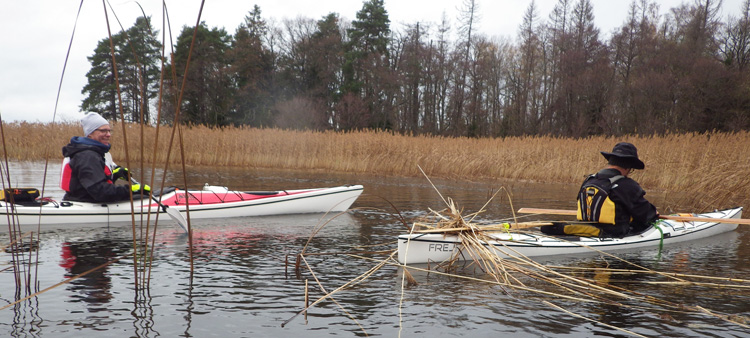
pixel 614 202
pixel 624 155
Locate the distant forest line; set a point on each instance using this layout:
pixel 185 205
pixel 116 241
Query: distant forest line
pixel 683 69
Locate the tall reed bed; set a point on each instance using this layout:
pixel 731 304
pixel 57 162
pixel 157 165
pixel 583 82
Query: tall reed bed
pixel 702 171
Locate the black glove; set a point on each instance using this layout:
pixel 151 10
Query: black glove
pixel 120 173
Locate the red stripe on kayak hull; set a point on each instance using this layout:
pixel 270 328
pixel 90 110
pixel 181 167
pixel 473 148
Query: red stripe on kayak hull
pixel 207 197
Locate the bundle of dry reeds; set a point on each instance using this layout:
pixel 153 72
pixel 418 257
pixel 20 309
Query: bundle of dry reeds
pixel 570 283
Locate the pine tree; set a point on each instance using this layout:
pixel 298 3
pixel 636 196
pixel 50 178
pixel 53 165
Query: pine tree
pixel 136 54
pixel 252 70
pixel 366 68
pixel 208 89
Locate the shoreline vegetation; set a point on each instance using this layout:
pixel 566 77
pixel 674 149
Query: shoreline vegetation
pixel 707 171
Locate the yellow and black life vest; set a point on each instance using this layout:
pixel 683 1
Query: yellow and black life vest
pixel 594 204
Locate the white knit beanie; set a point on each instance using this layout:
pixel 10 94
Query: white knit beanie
pixel 91 122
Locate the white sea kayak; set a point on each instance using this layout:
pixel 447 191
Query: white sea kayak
pixel 437 247
pixel 211 202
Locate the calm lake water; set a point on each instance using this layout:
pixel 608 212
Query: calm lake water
pixel 244 283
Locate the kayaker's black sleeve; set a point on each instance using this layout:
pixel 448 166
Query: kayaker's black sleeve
pixel 631 197
pixel 88 168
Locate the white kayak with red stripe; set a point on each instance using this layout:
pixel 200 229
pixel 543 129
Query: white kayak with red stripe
pixel 433 247
pixel 211 202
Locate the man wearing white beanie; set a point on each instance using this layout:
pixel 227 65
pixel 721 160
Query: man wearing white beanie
pixel 88 173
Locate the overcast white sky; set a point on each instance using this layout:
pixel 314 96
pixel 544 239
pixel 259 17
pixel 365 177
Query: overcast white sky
pixel 35 35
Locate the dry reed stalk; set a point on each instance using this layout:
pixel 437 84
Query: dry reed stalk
pixel 15 240
pixel 703 284
pixel 671 274
pixel 476 279
pixel 734 319
pixel 329 295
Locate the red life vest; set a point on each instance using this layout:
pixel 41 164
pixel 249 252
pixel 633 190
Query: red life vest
pixel 66 173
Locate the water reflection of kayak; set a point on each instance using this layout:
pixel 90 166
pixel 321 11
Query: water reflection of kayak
pixel 87 260
pixel 211 202
pixel 438 247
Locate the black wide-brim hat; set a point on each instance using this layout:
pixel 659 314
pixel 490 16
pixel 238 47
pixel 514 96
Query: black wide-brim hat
pixel 625 153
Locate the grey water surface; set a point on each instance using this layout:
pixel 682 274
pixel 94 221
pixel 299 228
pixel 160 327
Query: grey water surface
pixel 244 282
